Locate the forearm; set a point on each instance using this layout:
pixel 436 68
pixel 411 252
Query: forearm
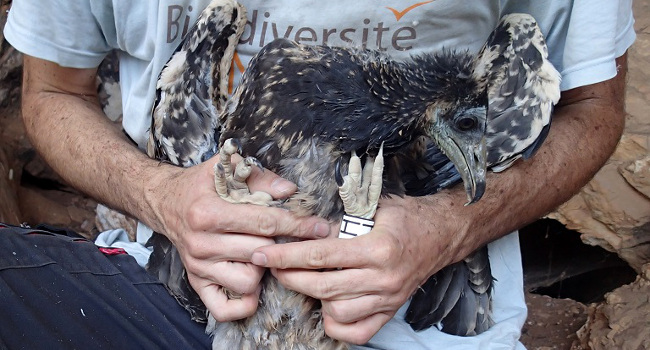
pixel 587 125
pixel 70 131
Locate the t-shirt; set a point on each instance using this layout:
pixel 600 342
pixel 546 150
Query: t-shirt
pixel 584 38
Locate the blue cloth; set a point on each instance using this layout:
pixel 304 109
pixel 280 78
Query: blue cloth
pixel 60 292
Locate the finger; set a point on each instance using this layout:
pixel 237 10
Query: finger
pixel 224 246
pixel 329 285
pixel 267 221
pixel 240 278
pixel 271 183
pixel 224 309
pixel 358 332
pixel 317 254
pixel 356 309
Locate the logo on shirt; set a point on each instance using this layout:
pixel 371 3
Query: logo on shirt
pixel 261 29
pixel 400 14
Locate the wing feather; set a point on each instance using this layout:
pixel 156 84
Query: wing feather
pixel 191 92
pixel 183 128
pixel 523 86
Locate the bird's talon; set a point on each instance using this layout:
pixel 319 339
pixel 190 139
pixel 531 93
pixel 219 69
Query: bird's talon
pixel 337 172
pixel 360 188
pixel 230 183
pixel 254 161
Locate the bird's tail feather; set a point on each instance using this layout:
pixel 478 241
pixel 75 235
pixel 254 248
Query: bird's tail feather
pixel 165 263
pixel 456 299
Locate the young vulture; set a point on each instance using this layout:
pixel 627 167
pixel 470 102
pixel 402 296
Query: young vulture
pixel 303 110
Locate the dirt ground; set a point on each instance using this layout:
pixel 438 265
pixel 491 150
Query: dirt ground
pixel 42 197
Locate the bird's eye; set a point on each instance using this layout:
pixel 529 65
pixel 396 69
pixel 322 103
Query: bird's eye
pixel 466 123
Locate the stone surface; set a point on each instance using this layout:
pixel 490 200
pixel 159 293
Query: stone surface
pixel 613 210
pixel 109 219
pixel 623 320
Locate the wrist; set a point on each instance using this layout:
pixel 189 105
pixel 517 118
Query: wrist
pixel 157 185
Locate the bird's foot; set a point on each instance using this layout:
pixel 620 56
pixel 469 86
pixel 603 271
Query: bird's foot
pixel 230 180
pixel 360 190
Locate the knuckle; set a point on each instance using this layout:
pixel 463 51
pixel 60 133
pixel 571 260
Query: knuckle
pixel 316 257
pixel 196 249
pixel 323 289
pixel 363 337
pixel 392 284
pixel 249 283
pixel 245 287
pixel 359 336
pixel 338 312
pixel 196 268
pixel 382 250
pixel 195 216
pixel 267 224
pixel 221 316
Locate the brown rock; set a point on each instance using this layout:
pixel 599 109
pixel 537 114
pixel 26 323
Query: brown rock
pixel 613 210
pixel 109 219
pixel 623 320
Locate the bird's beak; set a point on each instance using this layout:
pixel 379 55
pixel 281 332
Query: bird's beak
pixel 468 153
pixel 470 161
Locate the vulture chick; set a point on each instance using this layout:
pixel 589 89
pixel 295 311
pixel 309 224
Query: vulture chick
pixel 303 111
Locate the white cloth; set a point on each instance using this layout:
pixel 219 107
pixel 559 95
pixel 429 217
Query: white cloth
pixel 584 38
pixel 119 238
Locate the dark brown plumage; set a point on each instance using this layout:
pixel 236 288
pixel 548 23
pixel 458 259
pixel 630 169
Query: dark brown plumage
pixel 301 110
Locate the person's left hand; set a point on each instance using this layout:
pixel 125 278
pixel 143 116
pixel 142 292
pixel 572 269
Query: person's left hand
pixel 380 270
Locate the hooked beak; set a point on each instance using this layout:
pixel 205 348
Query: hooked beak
pixel 470 161
pixel 469 155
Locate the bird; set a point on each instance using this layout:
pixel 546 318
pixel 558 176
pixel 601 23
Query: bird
pixel 304 112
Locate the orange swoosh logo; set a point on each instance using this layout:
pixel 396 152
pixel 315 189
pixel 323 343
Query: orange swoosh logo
pixel 236 63
pixel 399 14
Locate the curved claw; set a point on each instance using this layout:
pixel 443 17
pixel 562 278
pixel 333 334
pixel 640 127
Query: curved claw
pixel 237 144
pixel 232 146
pixel 337 173
pixel 254 161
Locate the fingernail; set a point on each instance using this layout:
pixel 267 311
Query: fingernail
pixel 259 259
pixel 283 186
pixel 321 230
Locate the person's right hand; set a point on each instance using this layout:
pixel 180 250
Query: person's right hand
pixel 216 239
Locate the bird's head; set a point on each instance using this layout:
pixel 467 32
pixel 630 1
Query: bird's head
pixel 458 127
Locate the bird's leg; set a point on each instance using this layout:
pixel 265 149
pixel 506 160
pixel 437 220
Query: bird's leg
pixel 360 193
pixel 230 183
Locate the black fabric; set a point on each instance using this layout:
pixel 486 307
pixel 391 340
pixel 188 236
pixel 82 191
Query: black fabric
pixel 61 292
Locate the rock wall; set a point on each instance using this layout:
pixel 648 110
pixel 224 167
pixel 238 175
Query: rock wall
pixel 613 210
pixel 623 320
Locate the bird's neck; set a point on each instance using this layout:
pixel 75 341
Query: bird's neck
pixel 414 85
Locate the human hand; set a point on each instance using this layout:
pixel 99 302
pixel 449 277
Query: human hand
pixel 380 270
pixel 216 239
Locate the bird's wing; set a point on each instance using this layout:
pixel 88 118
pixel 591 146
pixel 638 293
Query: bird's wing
pixel 193 87
pixel 191 91
pixel 523 87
